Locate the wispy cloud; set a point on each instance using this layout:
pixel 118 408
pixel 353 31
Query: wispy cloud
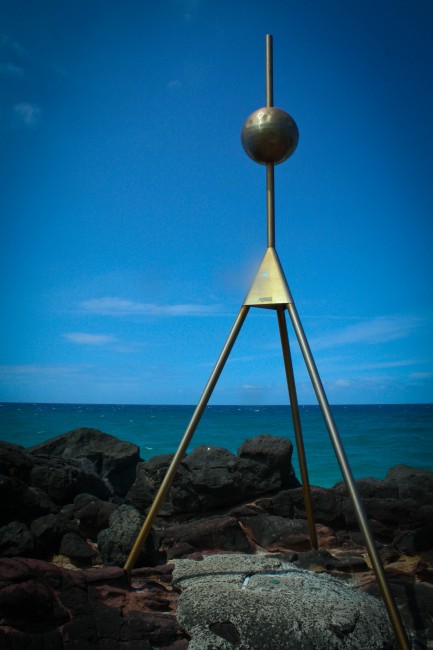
pixel 29 370
pixel 113 306
pixel 174 83
pixel 11 45
pixel 27 114
pixel 383 365
pixel 8 69
pixel 83 338
pixel 375 330
pixel 189 7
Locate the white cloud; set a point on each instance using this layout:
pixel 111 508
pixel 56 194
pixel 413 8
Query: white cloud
pixel 112 306
pixel 82 338
pixel 376 330
pixel 27 114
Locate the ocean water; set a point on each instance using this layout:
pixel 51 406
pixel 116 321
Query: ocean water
pixel 374 437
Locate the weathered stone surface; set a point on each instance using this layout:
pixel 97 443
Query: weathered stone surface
pixel 415 603
pixel 149 476
pixel 111 458
pixel 327 504
pixel 115 543
pixel 15 461
pixel 50 530
pixel 321 560
pixel 75 547
pixel 92 514
pixel 211 478
pixel 386 515
pixel 62 480
pixel 217 533
pixel 21 500
pixel 277 533
pixel 213 474
pixel 45 607
pixel 272 458
pixel 16 539
pixel 263 603
pixel 414 541
pixel 372 487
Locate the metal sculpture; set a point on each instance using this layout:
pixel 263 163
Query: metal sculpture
pixel 269 136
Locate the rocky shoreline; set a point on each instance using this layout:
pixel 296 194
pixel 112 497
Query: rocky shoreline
pixel 72 507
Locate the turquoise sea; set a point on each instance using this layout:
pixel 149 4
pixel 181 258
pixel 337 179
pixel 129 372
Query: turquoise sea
pixel 374 437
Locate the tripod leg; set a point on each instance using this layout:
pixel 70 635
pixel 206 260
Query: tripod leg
pixel 361 516
pixel 297 426
pixel 180 453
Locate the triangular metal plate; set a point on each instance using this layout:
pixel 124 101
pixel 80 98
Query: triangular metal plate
pixel 269 287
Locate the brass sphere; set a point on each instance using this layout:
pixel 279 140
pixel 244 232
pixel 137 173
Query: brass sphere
pixel 269 135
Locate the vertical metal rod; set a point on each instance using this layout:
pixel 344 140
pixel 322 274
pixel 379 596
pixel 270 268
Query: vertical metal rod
pixel 270 193
pixel 270 204
pixel 297 426
pixel 183 446
pixel 361 516
pixel 269 72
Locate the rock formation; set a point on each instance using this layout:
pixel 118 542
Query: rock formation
pixel 80 499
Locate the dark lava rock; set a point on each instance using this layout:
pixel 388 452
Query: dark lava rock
pixel 15 461
pixel 50 531
pixel 148 477
pixel 415 602
pixel 75 547
pixel 214 476
pixel 116 542
pixel 415 541
pixel 211 478
pixel 111 458
pixel 16 539
pixel 393 514
pixel 21 500
pixel 92 514
pixel 62 480
pixel 327 504
pixel 372 487
pixel 272 460
pixel 217 533
pixel 277 533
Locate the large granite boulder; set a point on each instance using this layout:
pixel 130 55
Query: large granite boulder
pixel 111 458
pixel 262 603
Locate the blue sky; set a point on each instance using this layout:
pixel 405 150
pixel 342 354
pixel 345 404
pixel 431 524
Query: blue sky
pixel 132 220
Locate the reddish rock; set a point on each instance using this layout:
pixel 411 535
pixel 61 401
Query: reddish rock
pixel 44 606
